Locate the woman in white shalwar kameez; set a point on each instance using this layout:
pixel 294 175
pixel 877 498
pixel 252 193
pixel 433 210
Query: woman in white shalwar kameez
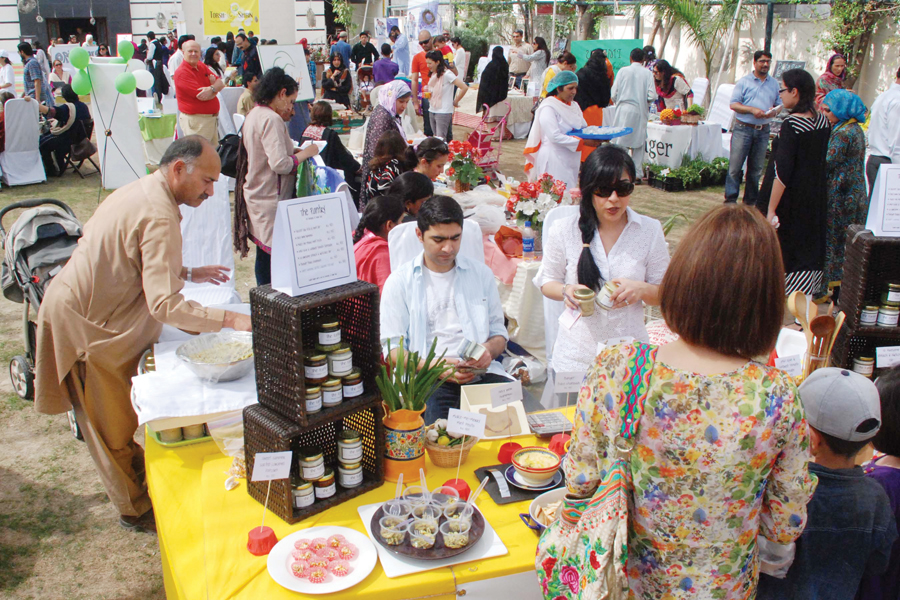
pixel 549 149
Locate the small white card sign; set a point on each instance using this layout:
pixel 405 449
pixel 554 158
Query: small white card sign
pixel 271 465
pixel 792 365
pixel 887 357
pixel 884 210
pixel 311 245
pixel 568 382
pixel 460 422
pixel 506 393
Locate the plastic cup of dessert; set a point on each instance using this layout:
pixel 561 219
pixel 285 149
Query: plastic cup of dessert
pixel 416 495
pixel 426 511
pixel 393 530
pixel 455 533
pixel 444 496
pixel 461 511
pixel 397 508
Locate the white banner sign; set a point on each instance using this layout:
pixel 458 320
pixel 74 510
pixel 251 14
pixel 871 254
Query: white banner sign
pixel 61 53
pixel 667 145
pixel 293 60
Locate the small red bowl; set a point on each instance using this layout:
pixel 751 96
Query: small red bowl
pixel 536 475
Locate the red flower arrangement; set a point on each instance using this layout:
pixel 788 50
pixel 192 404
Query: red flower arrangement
pixel 532 200
pixel 463 166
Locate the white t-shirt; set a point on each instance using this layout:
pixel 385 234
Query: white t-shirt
pixel 442 319
pixel 446 95
pixel 8 76
pixel 461 60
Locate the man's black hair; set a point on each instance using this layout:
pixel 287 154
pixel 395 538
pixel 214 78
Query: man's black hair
pixel 439 210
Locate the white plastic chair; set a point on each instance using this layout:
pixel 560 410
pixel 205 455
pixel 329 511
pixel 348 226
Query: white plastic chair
pixel 720 109
pixel 226 122
pixel 552 308
pixel 21 160
pixel 700 86
pixel 238 121
pixel 403 245
pixel 230 97
pixel 207 240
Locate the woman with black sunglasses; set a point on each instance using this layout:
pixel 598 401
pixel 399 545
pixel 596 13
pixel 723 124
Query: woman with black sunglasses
pixel 606 242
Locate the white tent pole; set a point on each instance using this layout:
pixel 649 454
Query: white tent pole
pixel 553 30
pixel 725 49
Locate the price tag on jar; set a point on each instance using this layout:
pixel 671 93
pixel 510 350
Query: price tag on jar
pixel 887 357
pixel 506 393
pixel 271 465
pixel 460 422
pixel 792 365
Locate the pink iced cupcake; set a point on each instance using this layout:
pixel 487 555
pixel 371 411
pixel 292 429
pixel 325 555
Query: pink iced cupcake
pixel 330 554
pixel 317 544
pixel 336 541
pixel 302 544
pixel 340 568
pixel 319 561
pixel 304 554
pixel 300 568
pixel 317 575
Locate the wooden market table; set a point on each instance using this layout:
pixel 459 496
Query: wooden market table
pixel 203 534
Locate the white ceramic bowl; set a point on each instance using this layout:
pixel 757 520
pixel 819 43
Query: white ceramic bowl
pixel 216 373
pixel 542 500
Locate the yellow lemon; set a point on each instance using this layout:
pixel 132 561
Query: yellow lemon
pixel 443 440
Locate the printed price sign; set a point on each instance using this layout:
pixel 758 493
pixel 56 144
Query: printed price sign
pixel 887 357
pixel 792 365
pixel 566 383
pixel 271 465
pixel 460 422
pixel 506 394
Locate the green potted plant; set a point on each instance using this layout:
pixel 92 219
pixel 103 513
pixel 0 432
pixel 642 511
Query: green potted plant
pixel 464 171
pixel 405 384
pixel 693 115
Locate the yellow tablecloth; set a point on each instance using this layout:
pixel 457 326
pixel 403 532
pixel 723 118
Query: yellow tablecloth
pixel 203 530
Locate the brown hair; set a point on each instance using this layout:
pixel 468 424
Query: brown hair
pixel 391 145
pixel 724 289
pixel 321 114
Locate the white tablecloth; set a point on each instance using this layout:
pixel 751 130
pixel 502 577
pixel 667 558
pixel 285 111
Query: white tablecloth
pixel 519 120
pixel 666 145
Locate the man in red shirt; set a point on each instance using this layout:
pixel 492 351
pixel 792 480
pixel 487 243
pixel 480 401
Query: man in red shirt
pixel 419 70
pixel 196 87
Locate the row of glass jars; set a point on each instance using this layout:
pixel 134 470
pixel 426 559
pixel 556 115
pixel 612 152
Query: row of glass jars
pixel 317 481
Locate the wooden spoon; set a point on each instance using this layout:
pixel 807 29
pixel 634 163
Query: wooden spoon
pixel 797 306
pixel 822 328
pixel 838 323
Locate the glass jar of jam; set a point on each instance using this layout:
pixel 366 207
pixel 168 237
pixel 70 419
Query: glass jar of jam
pixel 315 368
pixel 351 475
pixel 353 385
pixel 329 336
pixel 888 316
pixel 332 393
pixel 325 487
pixel 891 297
pixel 313 400
pixel 302 492
pixel 869 316
pixel 349 445
pixel 864 366
pixel 312 463
pixel 340 362
pixel 604 299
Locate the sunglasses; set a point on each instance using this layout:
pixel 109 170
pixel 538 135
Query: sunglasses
pixel 622 189
pixel 782 90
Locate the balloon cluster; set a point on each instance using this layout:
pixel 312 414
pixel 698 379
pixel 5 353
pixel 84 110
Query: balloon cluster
pixel 134 77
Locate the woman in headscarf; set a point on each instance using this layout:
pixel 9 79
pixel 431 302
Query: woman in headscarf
pixel 549 149
pixel 392 100
pixel 593 93
pixel 832 78
pixel 673 89
pixel 848 202
pixel 337 81
pixel 494 85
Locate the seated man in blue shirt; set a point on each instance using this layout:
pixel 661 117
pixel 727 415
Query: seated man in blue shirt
pixel 448 297
pixel 754 99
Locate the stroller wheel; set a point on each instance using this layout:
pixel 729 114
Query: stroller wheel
pixel 73 425
pixel 22 377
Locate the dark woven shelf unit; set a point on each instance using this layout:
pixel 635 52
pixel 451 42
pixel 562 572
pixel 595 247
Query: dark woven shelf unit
pixel 266 431
pixel 285 327
pixel 853 344
pixel 870 263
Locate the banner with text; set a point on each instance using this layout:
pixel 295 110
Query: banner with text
pixel 617 51
pixel 222 16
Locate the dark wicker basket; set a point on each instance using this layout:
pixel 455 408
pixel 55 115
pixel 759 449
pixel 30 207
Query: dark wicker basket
pixel 851 344
pixel 285 327
pixel 870 263
pixel 266 431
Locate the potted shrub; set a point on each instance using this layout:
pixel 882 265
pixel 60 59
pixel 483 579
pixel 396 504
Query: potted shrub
pixel 464 171
pixel 405 385
pixel 693 115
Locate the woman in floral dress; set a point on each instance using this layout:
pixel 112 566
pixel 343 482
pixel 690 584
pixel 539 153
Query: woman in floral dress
pixel 848 201
pixel 722 449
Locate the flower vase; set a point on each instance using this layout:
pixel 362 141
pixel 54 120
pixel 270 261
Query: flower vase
pixel 461 187
pixel 404 432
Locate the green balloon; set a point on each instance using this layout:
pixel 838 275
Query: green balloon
pixel 79 58
pixel 126 50
pixel 81 83
pixel 125 83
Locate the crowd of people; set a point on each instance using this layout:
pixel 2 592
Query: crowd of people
pixel 733 462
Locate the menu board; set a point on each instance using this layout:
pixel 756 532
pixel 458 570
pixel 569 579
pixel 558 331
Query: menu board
pixel 884 209
pixel 312 249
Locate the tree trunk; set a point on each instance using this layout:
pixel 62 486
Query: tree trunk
pixel 665 39
pixel 585 24
pixel 656 26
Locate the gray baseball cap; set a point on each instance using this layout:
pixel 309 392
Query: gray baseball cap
pixel 838 401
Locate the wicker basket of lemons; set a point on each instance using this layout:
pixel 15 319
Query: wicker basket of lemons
pixel 444 448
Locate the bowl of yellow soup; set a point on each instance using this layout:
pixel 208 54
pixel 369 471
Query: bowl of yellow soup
pixel 536 465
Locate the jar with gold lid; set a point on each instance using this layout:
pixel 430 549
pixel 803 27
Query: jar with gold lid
pixel 332 393
pixel 353 385
pixel 325 487
pixel 313 400
pixel 302 492
pixel 329 336
pixel 312 463
pixel 315 368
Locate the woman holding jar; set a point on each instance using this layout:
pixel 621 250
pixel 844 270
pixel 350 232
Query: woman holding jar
pixel 267 167
pixel 721 449
pixel 606 242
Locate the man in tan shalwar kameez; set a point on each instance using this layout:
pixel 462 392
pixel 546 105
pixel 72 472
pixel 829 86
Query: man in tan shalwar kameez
pixel 108 305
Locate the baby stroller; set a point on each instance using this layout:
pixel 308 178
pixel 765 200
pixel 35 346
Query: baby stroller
pixel 36 248
pixel 483 138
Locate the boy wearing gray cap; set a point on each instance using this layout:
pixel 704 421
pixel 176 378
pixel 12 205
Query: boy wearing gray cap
pixel 850 528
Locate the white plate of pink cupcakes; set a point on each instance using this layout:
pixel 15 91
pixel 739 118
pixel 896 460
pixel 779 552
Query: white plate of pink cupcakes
pixel 322 560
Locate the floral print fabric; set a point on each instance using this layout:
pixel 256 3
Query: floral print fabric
pixel 717 461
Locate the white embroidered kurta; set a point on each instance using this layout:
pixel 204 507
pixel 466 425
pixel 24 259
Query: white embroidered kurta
pixel 632 92
pixel 640 254
pixel 549 149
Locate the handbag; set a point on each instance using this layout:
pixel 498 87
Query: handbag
pixel 583 554
pixel 228 149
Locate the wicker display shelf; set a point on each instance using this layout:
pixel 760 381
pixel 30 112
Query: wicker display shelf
pixel 852 344
pixel 266 431
pixel 285 328
pixel 870 263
